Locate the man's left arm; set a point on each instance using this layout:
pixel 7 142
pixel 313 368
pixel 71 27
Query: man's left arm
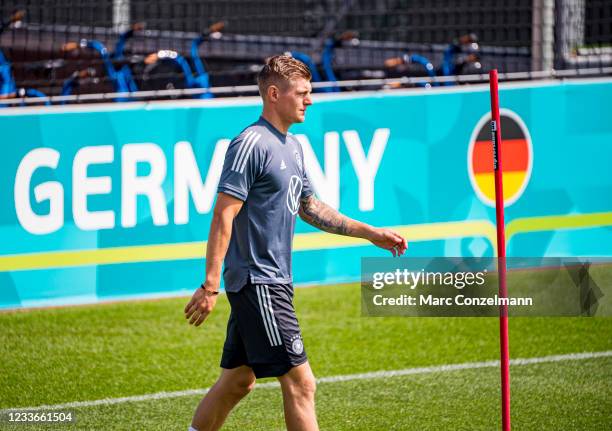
pixel 324 217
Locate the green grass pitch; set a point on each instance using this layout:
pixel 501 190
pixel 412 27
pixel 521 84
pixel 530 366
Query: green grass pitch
pixel 55 356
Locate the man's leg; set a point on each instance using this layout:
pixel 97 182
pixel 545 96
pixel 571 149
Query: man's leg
pixel 299 388
pixel 233 385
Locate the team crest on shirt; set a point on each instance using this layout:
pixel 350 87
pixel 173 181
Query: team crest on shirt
pixel 298 159
pixel 297 345
pixel 294 193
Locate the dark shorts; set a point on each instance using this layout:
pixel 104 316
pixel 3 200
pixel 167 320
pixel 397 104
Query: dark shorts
pixel 263 331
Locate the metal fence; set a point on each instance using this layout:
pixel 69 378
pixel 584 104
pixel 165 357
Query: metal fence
pixel 57 46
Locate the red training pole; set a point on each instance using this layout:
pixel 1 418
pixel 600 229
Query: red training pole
pixel 501 250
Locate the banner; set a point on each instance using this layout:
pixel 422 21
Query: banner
pixel 103 202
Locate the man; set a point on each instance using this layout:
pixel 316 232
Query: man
pixel 262 187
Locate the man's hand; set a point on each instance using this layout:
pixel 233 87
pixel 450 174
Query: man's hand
pixel 200 306
pixel 389 240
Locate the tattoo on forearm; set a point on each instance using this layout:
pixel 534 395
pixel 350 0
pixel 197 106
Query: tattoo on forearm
pixel 324 217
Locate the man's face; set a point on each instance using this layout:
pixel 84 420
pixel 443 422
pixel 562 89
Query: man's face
pixel 291 103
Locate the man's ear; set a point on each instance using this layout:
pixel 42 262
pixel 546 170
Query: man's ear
pixel 273 93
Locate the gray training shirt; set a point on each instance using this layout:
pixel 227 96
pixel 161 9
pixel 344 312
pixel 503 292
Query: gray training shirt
pixel 263 168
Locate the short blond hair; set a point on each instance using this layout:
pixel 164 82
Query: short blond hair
pixel 279 70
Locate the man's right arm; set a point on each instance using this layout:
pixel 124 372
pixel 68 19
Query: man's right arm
pixel 203 300
pixel 226 209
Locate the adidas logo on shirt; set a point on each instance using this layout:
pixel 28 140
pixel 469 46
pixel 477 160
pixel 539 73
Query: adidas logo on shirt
pixel 283 165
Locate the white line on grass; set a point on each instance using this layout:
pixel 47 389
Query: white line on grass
pixel 329 379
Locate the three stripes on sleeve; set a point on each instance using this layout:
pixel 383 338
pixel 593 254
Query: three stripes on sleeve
pixel 246 144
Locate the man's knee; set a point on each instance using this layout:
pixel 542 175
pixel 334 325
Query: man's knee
pixel 238 385
pixel 241 387
pixel 301 387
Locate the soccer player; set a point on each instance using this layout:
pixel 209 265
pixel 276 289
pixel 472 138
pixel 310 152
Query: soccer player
pixel 263 187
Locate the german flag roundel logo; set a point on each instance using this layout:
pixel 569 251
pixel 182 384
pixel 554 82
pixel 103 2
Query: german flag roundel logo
pixel 516 162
